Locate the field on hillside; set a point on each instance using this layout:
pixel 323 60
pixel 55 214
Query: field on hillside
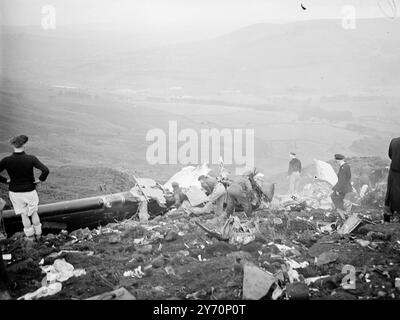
pixel 105 130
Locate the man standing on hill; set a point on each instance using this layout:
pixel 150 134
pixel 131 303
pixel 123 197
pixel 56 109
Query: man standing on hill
pixel 392 199
pixel 342 187
pixel 22 185
pixel 294 174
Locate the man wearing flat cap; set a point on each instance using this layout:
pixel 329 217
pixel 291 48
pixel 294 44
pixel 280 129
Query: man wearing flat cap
pixel 342 187
pixel 22 185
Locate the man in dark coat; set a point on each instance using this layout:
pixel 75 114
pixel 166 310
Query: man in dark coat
pixel 342 187
pixel 392 199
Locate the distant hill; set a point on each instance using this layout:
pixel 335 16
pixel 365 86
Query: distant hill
pixel 304 56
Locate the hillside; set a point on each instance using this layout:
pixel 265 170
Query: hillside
pixel 300 88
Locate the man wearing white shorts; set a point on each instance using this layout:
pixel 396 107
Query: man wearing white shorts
pixel 22 185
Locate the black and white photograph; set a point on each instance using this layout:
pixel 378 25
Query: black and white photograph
pixel 199 154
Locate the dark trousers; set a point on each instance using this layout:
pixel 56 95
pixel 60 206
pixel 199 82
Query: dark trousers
pixel 392 199
pixel 338 200
pixel 237 196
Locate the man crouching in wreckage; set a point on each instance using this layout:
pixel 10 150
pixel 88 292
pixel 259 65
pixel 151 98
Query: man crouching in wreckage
pixel 242 192
pixel 216 197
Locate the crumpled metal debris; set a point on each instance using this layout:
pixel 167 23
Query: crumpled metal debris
pixel 330 227
pixel 198 295
pixel 188 176
pixel 196 196
pixel 296 265
pixel 136 273
pixel 282 248
pixel 363 243
pixel 236 232
pixel 317 195
pixel 82 234
pixel 350 224
pixel 50 290
pixel 151 189
pixel 311 280
pixel 61 271
pixel 233 230
pixel 256 282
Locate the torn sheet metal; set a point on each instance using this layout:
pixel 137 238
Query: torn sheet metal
pixel 50 290
pixel 196 196
pixel 188 176
pixel 324 171
pixel 256 282
pixel 349 225
pixel 151 189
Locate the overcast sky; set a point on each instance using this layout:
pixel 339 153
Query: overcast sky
pixel 184 14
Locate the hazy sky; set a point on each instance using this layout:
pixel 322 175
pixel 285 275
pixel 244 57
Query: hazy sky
pixel 179 14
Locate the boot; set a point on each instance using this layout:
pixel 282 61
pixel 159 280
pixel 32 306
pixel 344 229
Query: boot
pixel 30 238
pixel 386 217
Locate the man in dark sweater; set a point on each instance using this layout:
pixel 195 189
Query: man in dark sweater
pixel 22 185
pixel 342 187
pixel 392 199
pixel 294 172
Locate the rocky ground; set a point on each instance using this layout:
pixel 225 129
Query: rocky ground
pixel 283 252
pixel 171 257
